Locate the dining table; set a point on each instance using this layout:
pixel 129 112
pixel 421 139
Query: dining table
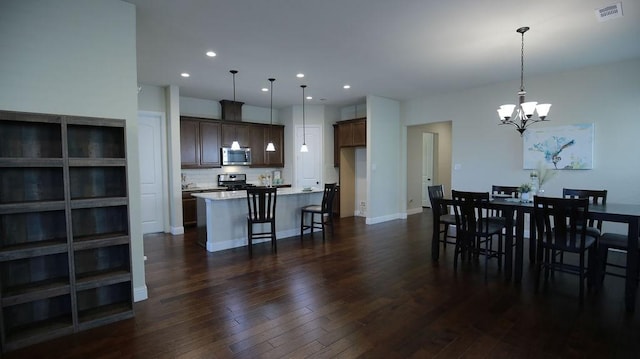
pixel 514 211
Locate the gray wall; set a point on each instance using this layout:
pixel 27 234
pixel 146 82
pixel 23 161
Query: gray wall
pixel 76 57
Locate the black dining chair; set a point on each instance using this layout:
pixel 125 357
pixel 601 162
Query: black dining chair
pixel 560 227
pixel 442 218
pixel 619 243
pixel 597 197
pixel 473 228
pixel 323 210
pixel 261 203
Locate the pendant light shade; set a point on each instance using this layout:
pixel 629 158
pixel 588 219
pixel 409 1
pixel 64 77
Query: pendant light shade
pixel 304 147
pixel 235 145
pixel 270 146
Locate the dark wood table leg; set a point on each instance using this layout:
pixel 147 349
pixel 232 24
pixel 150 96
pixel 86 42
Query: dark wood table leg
pixel 532 238
pixel 519 260
pixel 631 282
pixel 435 241
pixel 508 243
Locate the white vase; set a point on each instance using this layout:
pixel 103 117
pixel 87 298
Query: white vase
pixel 524 197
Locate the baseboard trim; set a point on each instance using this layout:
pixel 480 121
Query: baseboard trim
pixel 140 293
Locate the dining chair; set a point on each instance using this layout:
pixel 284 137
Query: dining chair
pixel 560 227
pixel 442 218
pixel 323 210
pixel 261 203
pixel 618 242
pixel 511 191
pixel 597 197
pixel 505 190
pixel 473 228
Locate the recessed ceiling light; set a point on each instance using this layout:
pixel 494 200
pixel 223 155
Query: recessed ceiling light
pixel 346 87
pixel 300 75
pixel 264 89
pixel 185 74
pixel 211 54
pixel 309 98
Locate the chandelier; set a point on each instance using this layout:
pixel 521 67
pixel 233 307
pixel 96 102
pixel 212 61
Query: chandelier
pixel 522 115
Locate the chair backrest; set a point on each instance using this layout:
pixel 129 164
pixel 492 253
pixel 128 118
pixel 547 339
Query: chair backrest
pixel 435 194
pixel 470 211
pixel 261 202
pixel 560 222
pixel 513 191
pixel 594 197
pixel 330 190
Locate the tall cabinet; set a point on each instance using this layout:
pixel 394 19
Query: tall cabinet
pixel 65 262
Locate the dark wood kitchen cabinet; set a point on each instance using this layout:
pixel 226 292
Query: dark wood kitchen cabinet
pixel 65 258
pixel 199 143
pixel 235 132
pixel 352 133
pixel 189 209
pixel 260 135
pixel 336 145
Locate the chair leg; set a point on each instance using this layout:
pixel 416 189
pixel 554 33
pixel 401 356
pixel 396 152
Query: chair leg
pixel 322 224
pixel 301 225
pixel 274 241
pixel 250 234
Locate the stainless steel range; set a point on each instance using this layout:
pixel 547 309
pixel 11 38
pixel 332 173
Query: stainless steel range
pixel 233 181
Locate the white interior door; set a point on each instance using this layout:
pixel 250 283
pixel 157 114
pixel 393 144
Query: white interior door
pixel 427 167
pixel 151 179
pixel 309 164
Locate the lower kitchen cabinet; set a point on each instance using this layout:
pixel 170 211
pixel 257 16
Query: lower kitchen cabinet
pixel 65 261
pixel 189 209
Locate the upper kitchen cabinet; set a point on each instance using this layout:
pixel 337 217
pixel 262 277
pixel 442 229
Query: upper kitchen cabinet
pixel 199 143
pixel 352 133
pixel 235 132
pixel 260 137
pixel 275 159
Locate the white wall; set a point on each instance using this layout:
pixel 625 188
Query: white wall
pixel 53 60
pixel 607 95
pixel 384 160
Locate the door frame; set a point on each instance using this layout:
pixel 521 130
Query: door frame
pixel 160 117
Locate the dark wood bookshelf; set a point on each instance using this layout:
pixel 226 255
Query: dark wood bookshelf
pixel 64 226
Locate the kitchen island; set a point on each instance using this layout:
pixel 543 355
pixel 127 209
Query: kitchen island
pixel 222 216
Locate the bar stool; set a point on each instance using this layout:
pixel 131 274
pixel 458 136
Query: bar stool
pixel 324 209
pixel 261 203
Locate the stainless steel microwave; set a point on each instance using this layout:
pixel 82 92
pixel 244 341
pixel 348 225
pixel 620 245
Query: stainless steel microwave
pixel 241 157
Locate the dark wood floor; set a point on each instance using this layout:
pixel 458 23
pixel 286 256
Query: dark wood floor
pixel 370 291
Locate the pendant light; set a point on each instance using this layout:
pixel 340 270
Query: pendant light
pixel 304 147
pixel 235 145
pixel 270 146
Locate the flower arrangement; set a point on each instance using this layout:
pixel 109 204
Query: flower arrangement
pixel 542 173
pixel 524 188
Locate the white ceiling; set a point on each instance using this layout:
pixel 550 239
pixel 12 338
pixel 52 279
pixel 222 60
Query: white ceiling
pixel 398 49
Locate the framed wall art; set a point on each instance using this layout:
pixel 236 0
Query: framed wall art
pixel 561 147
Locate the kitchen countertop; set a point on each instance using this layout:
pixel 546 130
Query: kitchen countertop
pixel 214 187
pixel 225 195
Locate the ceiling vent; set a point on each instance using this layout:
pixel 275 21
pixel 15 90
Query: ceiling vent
pixel 609 12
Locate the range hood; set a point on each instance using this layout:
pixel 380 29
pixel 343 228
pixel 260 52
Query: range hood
pixel 231 110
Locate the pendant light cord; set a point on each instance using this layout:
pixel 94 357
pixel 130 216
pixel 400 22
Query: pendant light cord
pixel 304 136
pixel 271 110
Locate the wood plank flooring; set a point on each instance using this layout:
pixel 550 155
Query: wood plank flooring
pixel 369 291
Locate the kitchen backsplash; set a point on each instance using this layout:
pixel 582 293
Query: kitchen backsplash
pixel 210 176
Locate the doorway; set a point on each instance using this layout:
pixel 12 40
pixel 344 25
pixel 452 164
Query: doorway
pixel 308 164
pixel 151 141
pixel 427 166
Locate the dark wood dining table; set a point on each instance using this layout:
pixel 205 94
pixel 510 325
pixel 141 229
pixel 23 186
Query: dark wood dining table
pixel 514 211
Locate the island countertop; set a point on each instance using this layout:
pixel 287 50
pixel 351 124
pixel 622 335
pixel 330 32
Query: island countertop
pixel 226 195
pixel 222 216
